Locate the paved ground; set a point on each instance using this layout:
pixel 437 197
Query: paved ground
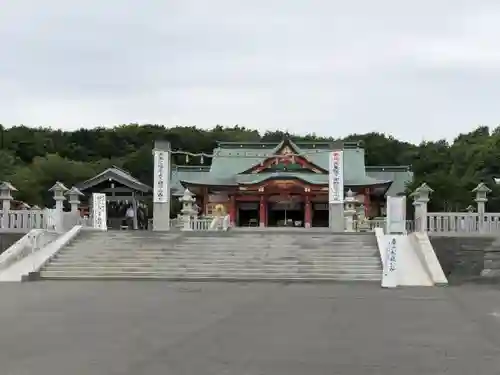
pixel 101 328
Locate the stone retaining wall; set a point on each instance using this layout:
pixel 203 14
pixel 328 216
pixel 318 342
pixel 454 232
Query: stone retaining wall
pixel 463 259
pixel 7 239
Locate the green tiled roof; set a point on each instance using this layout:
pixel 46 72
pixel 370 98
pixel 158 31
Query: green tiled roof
pixel 186 172
pixel 231 159
pixel 400 175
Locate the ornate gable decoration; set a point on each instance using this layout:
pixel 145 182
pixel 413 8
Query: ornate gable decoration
pixel 287 150
pixel 285 159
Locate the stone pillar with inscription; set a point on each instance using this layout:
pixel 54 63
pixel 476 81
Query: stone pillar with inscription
pixel 161 186
pixel 336 192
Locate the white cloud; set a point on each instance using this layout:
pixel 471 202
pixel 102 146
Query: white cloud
pixel 412 69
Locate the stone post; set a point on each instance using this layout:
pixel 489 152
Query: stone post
pixel 6 190
pixel 161 186
pixel 74 198
pixel 420 200
pixel 187 211
pixel 481 191
pixel 59 189
pixel 350 211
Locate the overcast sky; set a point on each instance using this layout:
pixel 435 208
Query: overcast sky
pixel 423 69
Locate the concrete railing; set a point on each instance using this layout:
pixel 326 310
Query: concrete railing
pixel 25 220
pixel 460 222
pixel 201 224
pixel 373 224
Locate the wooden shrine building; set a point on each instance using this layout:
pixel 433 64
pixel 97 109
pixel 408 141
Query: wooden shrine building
pixel 274 184
pixel 121 189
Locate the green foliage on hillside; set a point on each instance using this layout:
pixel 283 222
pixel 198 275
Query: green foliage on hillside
pixel 33 159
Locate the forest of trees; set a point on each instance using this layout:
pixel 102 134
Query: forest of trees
pixel 34 158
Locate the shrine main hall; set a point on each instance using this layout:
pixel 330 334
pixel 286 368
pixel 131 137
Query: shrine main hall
pixel 286 183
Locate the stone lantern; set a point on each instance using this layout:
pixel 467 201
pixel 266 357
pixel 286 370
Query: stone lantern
pixel 187 210
pixel 350 204
pixel 58 190
pixel 74 198
pixel 6 190
pixel 481 191
pixel 420 199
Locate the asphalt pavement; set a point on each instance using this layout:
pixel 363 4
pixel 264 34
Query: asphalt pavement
pixel 152 328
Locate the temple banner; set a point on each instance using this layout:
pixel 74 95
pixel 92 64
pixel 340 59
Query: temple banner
pixel 161 177
pixel 99 217
pixel 336 177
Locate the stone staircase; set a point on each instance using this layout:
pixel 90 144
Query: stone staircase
pixel 233 255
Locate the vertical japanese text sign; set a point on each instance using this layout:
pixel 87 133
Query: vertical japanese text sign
pixel 389 277
pixel 336 177
pixel 99 216
pixel 161 177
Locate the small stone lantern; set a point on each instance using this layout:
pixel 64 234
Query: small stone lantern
pixel 188 210
pixel 424 192
pixel 6 190
pixel 74 198
pixel 420 200
pixel 350 203
pixel 481 191
pixel 59 189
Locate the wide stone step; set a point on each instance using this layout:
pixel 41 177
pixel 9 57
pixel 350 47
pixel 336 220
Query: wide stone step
pixel 207 254
pixel 364 252
pixel 201 259
pixel 283 256
pixel 140 261
pixel 221 268
pixel 208 276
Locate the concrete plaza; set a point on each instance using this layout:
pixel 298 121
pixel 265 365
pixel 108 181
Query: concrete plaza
pixel 135 328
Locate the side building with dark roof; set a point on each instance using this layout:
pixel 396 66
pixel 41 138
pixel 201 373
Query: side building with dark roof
pixel 274 184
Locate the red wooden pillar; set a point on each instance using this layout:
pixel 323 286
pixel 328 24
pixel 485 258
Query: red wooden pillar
pixel 232 210
pixel 307 212
pixel 262 211
pixel 367 202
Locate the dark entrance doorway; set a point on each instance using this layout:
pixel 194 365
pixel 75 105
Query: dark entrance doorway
pixel 286 213
pixel 248 214
pixel 320 215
